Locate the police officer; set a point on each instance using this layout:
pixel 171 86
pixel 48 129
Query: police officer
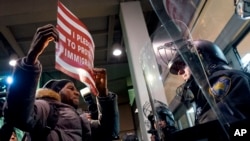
pixel 165 122
pixel 230 88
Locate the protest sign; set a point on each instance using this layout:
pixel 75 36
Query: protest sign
pixel 75 48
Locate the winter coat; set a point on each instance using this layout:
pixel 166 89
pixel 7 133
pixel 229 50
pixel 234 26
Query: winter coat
pixel 103 128
pixel 29 115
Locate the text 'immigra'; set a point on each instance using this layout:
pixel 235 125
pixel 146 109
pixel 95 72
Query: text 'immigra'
pixel 79 50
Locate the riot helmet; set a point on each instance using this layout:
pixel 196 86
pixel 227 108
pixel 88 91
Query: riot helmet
pixel 211 56
pixel 164 113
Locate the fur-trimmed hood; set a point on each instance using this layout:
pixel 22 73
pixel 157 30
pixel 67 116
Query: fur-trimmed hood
pixel 47 93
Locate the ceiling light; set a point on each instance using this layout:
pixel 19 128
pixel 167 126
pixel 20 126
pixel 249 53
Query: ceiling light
pixel 13 59
pixel 117 49
pixel 9 79
pixel 12 62
pixel 117 52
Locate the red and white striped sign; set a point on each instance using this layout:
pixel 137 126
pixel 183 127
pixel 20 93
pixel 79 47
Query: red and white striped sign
pixel 182 10
pixel 75 49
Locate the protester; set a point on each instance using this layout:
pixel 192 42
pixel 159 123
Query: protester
pixel 108 103
pixel 102 131
pixel 49 114
pixel 7 131
pixel 13 137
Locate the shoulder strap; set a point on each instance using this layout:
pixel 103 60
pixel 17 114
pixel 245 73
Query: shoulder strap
pixel 53 119
pixel 53 116
pixel 39 133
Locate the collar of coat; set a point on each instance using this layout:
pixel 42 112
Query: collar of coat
pixel 47 93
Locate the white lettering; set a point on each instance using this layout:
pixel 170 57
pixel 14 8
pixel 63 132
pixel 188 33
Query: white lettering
pixel 83 41
pixel 240 132
pixel 76 58
pixel 243 131
pixel 71 44
pixel 82 50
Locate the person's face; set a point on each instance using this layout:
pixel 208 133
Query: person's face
pixel 185 73
pixel 161 123
pixel 70 95
pixel 13 137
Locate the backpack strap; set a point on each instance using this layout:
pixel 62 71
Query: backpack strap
pixel 52 117
pixel 40 133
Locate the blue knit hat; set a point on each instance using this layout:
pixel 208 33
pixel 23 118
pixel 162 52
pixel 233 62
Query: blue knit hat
pixel 56 84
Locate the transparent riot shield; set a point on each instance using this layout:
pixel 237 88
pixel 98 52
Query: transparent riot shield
pixel 157 107
pixel 177 31
pixel 155 71
pixel 173 41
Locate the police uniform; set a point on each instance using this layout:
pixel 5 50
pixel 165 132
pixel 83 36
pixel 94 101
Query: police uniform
pixel 202 113
pixel 231 91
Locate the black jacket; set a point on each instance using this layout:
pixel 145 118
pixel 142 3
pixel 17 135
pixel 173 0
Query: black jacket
pixel 231 92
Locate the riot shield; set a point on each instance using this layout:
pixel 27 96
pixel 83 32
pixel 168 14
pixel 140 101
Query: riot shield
pixel 157 107
pixel 155 72
pixel 171 41
pixel 178 32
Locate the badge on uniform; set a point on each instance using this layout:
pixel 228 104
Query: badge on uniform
pixel 221 87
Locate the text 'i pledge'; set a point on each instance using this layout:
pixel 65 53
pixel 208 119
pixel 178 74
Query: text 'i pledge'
pixel 82 40
pixel 83 59
pixel 80 48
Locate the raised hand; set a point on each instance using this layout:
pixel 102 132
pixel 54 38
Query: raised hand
pixel 100 76
pixel 43 36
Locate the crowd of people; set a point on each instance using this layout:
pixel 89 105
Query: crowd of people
pixel 50 113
